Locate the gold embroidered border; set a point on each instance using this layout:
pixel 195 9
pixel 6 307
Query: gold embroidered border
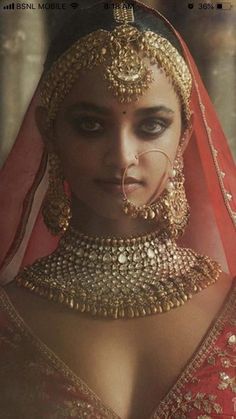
pixel 201 353
pixel 174 393
pixel 220 174
pixel 51 357
pixel 214 152
pixel 27 206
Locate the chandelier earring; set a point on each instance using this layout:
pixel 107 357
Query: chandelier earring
pixel 56 207
pixel 175 210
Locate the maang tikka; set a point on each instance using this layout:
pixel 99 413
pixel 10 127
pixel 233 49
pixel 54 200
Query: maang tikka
pixel 171 209
pixel 56 206
pixel 122 54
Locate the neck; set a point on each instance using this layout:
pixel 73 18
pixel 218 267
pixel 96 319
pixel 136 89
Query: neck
pixel 88 222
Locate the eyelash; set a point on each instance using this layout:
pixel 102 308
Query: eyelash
pixel 78 122
pixel 163 123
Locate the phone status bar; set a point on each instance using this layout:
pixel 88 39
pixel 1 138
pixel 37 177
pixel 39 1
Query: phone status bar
pixel 74 5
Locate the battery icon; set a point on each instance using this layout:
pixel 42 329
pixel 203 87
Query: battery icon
pixel 224 6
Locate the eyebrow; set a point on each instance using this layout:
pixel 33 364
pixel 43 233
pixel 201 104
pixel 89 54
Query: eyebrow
pixel 102 110
pixel 91 107
pixel 153 109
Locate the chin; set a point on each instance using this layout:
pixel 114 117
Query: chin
pixel 111 209
pixel 111 212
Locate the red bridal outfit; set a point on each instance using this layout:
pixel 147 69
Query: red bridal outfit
pixel 34 382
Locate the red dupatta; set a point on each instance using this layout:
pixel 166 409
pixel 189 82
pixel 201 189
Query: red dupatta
pixel 210 185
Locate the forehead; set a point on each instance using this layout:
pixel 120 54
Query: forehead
pixel 92 87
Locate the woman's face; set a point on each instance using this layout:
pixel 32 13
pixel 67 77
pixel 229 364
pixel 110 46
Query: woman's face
pixel 97 138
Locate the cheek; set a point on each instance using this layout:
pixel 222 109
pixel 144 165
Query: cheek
pixel 168 143
pixel 79 168
pixel 156 164
pixel 171 142
pixel 78 159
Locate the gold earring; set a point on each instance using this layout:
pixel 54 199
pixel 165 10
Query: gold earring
pixel 171 209
pixel 175 210
pixel 56 207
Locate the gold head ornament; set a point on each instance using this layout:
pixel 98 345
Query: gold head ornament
pixel 122 53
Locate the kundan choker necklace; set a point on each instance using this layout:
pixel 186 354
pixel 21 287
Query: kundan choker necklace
pixel 119 278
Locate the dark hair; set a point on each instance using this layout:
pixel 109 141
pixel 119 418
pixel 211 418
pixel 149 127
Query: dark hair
pixel 87 20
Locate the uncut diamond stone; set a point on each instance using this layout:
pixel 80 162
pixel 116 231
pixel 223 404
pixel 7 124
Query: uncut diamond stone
pixel 150 253
pixel 122 258
pixel 136 256
pixel 107 258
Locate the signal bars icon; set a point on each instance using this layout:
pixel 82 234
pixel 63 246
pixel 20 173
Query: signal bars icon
pixel 9 6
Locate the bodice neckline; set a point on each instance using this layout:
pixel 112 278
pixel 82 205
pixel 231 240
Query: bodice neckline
pixel 203 349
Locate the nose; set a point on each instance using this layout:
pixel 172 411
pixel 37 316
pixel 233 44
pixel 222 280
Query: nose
pixel 122 150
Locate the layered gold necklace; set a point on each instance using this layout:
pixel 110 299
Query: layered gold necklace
pixel 119 278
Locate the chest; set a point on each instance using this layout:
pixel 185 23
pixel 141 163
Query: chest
pixel 129 364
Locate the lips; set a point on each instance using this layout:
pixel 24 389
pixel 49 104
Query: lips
pixel 114 184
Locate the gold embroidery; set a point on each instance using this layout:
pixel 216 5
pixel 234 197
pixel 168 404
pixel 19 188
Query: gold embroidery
pixel 227 382
pixel 228 360
pixel 211 360
pixel 204 417
pixel 226 194
pixel 71 383
pixel 206 352
pixel 202 402
pixel 32 368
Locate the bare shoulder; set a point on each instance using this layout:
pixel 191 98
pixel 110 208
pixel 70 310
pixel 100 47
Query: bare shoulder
pixel 223 285
pixel 213 297
pixel 26 302
pixel 16 294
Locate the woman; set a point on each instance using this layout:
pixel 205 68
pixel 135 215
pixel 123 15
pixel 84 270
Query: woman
pixel 122 320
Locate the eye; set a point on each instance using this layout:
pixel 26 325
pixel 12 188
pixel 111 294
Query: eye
pixel 152 126
pixel 87 125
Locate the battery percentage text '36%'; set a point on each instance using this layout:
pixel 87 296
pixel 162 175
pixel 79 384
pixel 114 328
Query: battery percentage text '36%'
pixel 211 6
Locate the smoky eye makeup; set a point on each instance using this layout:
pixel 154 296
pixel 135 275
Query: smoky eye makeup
pixel 153 126
pixel 86 124
pixel 148 126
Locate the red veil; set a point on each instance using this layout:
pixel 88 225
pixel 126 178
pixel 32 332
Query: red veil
pixel 210 184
